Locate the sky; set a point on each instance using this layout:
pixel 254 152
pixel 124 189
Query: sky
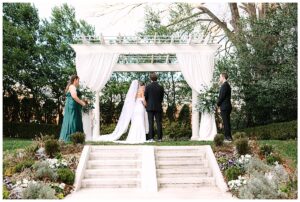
pixel 112 20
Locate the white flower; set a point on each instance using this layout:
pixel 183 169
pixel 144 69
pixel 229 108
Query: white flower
pixel 18 183
pixel 25 181
pixel 62 185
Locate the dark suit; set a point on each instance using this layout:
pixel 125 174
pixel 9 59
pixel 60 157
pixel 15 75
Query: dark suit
pixel 225 105
pixel 154 95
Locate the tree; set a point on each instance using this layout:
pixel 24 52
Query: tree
pixel 57 58
pixel 20 55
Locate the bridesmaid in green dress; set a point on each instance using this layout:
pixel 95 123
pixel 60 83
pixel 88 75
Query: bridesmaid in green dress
pixel 72 121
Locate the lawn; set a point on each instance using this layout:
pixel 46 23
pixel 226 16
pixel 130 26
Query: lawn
pixel 286 148
pixel 10 144
pixel 164 143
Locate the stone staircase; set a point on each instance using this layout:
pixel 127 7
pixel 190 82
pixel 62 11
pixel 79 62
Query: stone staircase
pixel 182 167
pixel 112 167
pixel 143 171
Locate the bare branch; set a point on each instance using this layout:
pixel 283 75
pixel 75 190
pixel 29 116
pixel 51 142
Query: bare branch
pixel 216 20
pixel 235 16
pixel 183 19
pixel 224 37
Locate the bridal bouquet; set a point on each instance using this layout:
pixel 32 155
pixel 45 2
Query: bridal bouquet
pixel 207 99
pixel 89 97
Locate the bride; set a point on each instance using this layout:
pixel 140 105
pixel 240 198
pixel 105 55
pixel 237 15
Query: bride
pixel 133 111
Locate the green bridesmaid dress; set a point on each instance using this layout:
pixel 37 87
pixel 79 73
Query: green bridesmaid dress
pixel 72 121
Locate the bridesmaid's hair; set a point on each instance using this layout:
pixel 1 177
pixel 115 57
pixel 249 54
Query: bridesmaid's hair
pixel 71 81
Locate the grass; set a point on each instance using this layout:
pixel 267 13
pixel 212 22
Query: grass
pixel 163 143
pixel 286 148
pixel 10 144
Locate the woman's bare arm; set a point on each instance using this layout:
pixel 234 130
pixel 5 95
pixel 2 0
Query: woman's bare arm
pixel 73 92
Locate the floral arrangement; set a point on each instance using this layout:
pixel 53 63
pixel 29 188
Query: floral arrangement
pixel 89 97
pixel 207 99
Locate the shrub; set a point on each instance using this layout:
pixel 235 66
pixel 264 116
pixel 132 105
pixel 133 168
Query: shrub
pixel 266 150
pixel 38 191
pixel 265 185
pixel 184 115
pixel 24 164
pixel 272 158
pixel 239 135
pixel 9 171
pixel 29 130
pixel 175 131
pixel 66 175
pixel 5 192
pixel 219 139
pixel 274 131
pixel 259 187
pixel 60 196
pixel 242 146
pixel 31 149
pixel 43 170
pixel 52 147
pixel 170 113
pixel 78 138
pixel 257 165
pixel 233 173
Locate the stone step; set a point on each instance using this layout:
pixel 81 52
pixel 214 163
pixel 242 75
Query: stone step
pixel 188 182
pixel 110 183
pixel 179 155
pixel 194 162
pixel 112 156
pixel 112 173
pixel 102 164
pixel 183 173
pixel 115 150
pixel 176 158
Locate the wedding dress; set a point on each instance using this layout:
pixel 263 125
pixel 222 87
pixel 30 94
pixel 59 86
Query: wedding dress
pixel 133 111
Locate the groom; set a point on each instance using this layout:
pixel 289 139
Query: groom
pixel 154 95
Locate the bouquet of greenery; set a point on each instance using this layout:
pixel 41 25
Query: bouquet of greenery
pixel 207 99
pixel 89 97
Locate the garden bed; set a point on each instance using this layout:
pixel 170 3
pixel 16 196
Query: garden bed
pixel 265 171
pixel 43 169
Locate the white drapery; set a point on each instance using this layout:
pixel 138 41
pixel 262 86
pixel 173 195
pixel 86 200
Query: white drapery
pixel 197 69
pixel 94 70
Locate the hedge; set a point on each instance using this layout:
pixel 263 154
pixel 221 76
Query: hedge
pixel 29 130
pixel 274 131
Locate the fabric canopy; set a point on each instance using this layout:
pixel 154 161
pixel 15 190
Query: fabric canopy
pixel 197 69
pixel 95 69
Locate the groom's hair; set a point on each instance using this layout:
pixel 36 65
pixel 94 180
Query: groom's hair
pixel 225 75
pixel 153 76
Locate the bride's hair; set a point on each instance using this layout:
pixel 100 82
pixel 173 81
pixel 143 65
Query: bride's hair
pixel 141 83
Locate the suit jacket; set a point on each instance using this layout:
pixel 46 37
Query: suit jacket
pixel 224 97
pixel 154 95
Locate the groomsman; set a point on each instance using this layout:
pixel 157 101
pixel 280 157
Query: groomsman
pixel 225 105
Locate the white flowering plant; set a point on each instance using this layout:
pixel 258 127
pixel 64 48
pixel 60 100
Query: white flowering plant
pixel 244 159
pixel 236 184
pixel 207 99
pixel 57 163
pixel 24 183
